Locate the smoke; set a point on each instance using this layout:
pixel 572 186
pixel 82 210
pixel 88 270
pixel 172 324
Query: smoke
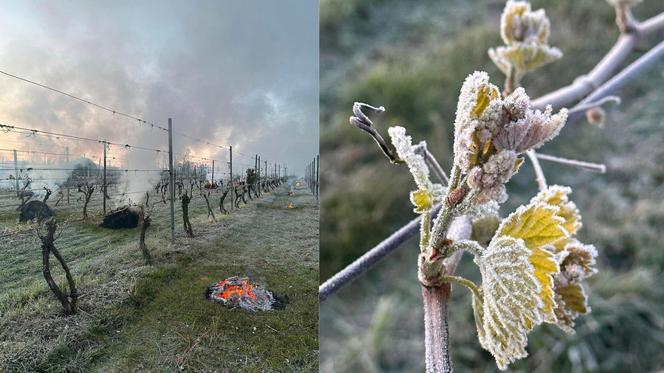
pixel 229 73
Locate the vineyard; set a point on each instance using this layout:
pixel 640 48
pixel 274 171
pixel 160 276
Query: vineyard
pixel 139 231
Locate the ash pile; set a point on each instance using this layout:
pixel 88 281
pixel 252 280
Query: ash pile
pixel 240 292
pixel 121 218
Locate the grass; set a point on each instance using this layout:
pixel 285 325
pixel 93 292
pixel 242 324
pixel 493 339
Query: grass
pixel 138 318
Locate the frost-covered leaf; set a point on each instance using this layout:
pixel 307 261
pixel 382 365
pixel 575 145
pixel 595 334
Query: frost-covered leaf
pixel 428 193
pixel 557 195
pixel 536 224
pixel 571 301
pixel 523 57
pixel 416 164
pixel 539 227
pixel 519 23
pixel 475 105
pixel 545 267
pixel 510 304
pixel 489 179
pixel 577 261
pixel 526 128
pixel 526 35
pixel 490 132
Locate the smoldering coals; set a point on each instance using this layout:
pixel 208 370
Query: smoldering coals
pixel 241 292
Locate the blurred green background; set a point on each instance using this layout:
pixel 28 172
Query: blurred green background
pixel 412 57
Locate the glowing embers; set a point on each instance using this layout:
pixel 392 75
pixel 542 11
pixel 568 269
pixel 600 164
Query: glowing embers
pixel 235 292
pixel 290 205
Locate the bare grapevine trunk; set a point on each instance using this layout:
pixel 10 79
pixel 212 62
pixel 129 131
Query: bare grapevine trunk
pixel 68 301
pixel 145 224
pixel 221 202
pixel 436 339
pixel 207 203
pixel 185 214
pixel 436 333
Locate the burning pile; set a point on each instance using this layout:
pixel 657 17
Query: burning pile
pixel 240 292
pixel 290 205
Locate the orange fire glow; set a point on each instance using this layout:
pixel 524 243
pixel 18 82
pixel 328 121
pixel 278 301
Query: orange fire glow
pixel 232 290
pixel 290 205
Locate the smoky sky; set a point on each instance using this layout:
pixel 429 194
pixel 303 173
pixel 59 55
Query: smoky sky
pixel 241 73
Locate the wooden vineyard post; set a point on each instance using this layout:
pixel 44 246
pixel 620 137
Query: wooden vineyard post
pixel 317 176
pixel 104 191
pixel 231 185
pixel 258 174
pixel 16 172
pixel 171 176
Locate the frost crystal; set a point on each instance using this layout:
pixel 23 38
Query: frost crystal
pixel 427 193
pixel 526 35
pixel 490 133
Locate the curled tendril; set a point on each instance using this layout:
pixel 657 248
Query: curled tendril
pixel 362 121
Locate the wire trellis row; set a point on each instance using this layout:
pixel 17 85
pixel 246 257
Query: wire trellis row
pixel 104 169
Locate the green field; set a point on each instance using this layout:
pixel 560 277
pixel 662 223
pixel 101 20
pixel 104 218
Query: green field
pixel 135 317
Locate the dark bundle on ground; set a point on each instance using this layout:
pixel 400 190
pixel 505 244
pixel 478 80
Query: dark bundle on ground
pixel 35 210
pixel 124 217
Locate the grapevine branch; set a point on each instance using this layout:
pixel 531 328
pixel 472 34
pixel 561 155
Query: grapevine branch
pixel 588 166
pixel 370 258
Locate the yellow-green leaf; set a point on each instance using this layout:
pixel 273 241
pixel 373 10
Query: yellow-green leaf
pixel 545 266
pixel 571 301
pixel 422 200
pixel 539 227
pixel 557 195
pixel 536 224
pixel 485 95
